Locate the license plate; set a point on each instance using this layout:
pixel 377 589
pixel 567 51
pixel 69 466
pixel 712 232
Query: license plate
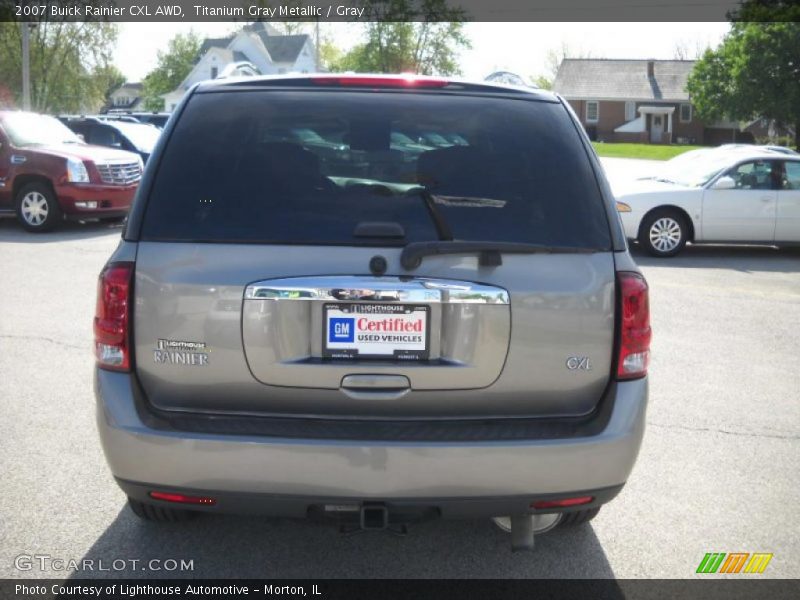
pixel 360 330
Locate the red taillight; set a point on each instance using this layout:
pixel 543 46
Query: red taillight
pixel 394 81
pixel 112 317
pixel 181 499
pixel 634 347
pixel 562 503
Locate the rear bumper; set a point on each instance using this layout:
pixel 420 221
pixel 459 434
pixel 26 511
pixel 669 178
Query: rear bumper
pixel 346 508
pixel 285 476
pixel 112 201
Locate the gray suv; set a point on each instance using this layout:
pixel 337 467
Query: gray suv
pixel 304 319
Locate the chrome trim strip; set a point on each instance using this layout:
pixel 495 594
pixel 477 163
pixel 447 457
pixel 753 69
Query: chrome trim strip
pixel 119 171
pixel 373 382
pixel 376 289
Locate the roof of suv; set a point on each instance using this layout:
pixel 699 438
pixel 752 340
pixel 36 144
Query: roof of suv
pixel 372 80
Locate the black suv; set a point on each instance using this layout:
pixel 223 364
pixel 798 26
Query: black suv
pixel 116 133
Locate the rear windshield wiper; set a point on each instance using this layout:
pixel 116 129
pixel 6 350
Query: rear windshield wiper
pixel 489 253
pixel 442 228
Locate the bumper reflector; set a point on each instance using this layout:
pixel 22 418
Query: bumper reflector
pixel 181 499
pixel 562 503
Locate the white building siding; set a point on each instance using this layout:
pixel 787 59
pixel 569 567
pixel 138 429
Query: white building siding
pixel 249 45
pixel 253 49
pixel 306 62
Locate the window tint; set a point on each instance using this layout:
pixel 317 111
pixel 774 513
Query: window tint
pixel 103 136
pixel 757 175
pixel 308 167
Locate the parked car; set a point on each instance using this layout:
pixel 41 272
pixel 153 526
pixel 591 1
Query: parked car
pixel 65 119
pixel 275 337
pixel 771 147
pixel 433 138
pixel 241 68
pixel 157 119
pixel 400 141
pixel 48 174
pixel 116 133
pixel 729 194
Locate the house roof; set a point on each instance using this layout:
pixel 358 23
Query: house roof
pixel 133 85
pixel 209 43
pixel 623 79
pixel 283 48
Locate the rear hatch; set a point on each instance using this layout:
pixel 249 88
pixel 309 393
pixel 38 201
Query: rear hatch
pixel 296 259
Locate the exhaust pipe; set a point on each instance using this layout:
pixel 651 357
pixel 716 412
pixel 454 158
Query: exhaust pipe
pixel 522 539
pixel 521 532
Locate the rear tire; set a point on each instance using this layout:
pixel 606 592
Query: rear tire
pixel 579 517
pixel 664 233
pixel 159 514
pixel 37 207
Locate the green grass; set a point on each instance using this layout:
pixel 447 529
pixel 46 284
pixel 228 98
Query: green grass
pixel 647 151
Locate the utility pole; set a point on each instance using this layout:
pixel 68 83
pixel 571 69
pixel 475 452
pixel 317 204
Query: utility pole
pixel 316 47
pixel 26 66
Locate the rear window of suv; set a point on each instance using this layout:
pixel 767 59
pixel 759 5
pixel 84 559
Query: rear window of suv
pixel 307 167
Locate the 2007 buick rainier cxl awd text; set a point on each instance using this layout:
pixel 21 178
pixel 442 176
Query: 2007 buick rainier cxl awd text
pixel 373 300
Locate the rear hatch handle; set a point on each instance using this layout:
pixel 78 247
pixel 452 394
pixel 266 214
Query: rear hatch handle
pixel 489 253
pixel 375 387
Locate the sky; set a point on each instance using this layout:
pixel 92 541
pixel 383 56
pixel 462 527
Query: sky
pixel 521 48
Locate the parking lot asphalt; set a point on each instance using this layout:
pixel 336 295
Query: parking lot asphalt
pixel 719 468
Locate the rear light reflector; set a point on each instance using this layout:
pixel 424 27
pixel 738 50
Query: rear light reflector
pixel 635 333
pixel 412 81
pixel 182 499
pixel 562 503
pixel 112 317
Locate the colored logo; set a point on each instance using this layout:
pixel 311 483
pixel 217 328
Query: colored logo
pixel 734 562
pixel 341 330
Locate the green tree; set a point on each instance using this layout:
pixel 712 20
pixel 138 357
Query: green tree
pixel 553 60
pixel 110 79
pixel 330 55
pixel 173 67
pixel 395 43
pixel 755 72
pixel 543 82
pixel 69 64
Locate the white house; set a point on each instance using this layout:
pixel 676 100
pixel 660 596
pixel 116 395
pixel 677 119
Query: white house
pixel 126 97
pixel 258 43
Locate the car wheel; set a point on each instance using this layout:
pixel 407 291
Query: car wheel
pixel 158 514
pixel 37 207
pixel 579 517
pixel 664 233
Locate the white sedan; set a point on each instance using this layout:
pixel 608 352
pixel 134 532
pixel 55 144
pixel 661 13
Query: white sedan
pixel 725 195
